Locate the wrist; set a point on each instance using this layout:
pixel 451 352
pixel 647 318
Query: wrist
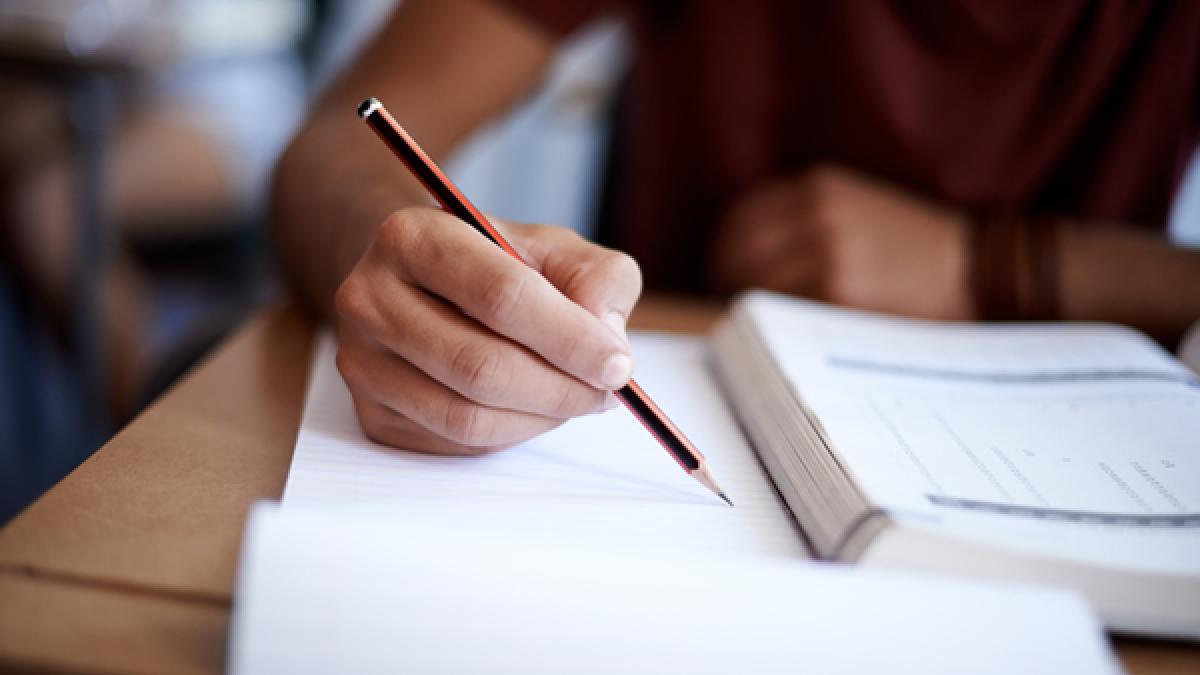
pixel 1014 265
pixel 959 301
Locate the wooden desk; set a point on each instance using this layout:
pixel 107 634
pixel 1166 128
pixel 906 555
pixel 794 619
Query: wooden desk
pixel 128 564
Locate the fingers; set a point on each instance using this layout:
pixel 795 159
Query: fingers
pixel 384 426
pixel 400 405
pixel 799 275
pixel 770 253
pixel 752 245
pixel 512 299
pixel 605 282
pixel 450 345
pixel 773 238
pixel 456 351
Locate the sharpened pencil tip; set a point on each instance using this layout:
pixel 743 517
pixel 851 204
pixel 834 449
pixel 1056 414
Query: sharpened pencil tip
pixel 722 496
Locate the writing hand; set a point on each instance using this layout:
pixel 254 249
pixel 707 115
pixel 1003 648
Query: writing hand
pixel 449 345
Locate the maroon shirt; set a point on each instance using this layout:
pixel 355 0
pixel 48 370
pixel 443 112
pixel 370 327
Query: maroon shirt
pixel 1074 108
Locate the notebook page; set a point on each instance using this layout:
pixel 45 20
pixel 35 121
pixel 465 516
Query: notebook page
pixel 599 477
pixel 860 342
pixel 1023 432
pixel 347 590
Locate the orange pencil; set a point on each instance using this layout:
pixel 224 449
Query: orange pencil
pixel 451 199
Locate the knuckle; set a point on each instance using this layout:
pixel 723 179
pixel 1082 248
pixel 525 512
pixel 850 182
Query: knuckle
pixel 373 420
pixel 609 278
pixel 405 236
pixel 622 266
pixel 351 301
pixel 422 244
pixel 502 295
pixel 415 245
pixel 396 229
pixel 347 365
pixel 390 237
pixel 578 282
pixel 478 371
pixel 465 423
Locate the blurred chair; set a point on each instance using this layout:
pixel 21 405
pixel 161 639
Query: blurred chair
pixel 136 137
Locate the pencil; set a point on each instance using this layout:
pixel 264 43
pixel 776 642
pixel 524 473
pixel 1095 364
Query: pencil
pixel 448 195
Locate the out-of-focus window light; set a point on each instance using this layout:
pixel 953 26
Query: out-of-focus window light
pixel 148 33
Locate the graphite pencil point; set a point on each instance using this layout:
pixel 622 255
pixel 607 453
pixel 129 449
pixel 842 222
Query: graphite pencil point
pixel 722 496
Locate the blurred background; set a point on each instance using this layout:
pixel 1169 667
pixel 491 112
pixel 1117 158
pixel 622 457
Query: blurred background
pixel 136 143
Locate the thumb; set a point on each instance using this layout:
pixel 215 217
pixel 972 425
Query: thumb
pixel 605 282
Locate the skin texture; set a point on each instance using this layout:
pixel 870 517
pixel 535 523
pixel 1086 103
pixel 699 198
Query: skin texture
pixel 450 346
pixel 841 236
pixel 835 234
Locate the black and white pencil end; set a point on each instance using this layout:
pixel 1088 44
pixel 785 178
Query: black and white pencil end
pixel 368 106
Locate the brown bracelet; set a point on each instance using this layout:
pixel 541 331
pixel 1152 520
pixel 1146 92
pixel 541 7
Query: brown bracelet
pixel 1014 268
pixel 993 250
pixel 1045 303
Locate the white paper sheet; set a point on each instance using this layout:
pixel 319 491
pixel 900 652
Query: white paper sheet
pixel 587 550
pixel 362 590
pixel 598 478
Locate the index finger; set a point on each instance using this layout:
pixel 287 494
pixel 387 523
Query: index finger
pixel 449 259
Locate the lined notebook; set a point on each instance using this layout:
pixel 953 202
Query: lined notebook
pixel 599 477
pixel 588 550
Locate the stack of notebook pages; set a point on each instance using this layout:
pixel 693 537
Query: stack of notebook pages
pixel 1066 454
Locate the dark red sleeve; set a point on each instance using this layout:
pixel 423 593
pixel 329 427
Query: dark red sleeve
pixel 561 17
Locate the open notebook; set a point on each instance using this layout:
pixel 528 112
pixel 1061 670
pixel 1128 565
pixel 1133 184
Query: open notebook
pixel 1056 453
pixel 587 550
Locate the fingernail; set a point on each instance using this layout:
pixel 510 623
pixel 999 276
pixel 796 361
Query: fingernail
pixel 616 322
pixel 617 370
pixel 610 401
pixel 607 403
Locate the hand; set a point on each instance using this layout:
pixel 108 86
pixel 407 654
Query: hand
pixel 449 345
pixel 836 235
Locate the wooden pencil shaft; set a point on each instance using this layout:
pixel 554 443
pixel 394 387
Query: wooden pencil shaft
pixel 631 395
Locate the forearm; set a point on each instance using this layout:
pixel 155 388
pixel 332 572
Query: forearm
pixel 1131 277
pixel 333 187
pixel 443 67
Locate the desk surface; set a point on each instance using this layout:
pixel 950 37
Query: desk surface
pixel 127 565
